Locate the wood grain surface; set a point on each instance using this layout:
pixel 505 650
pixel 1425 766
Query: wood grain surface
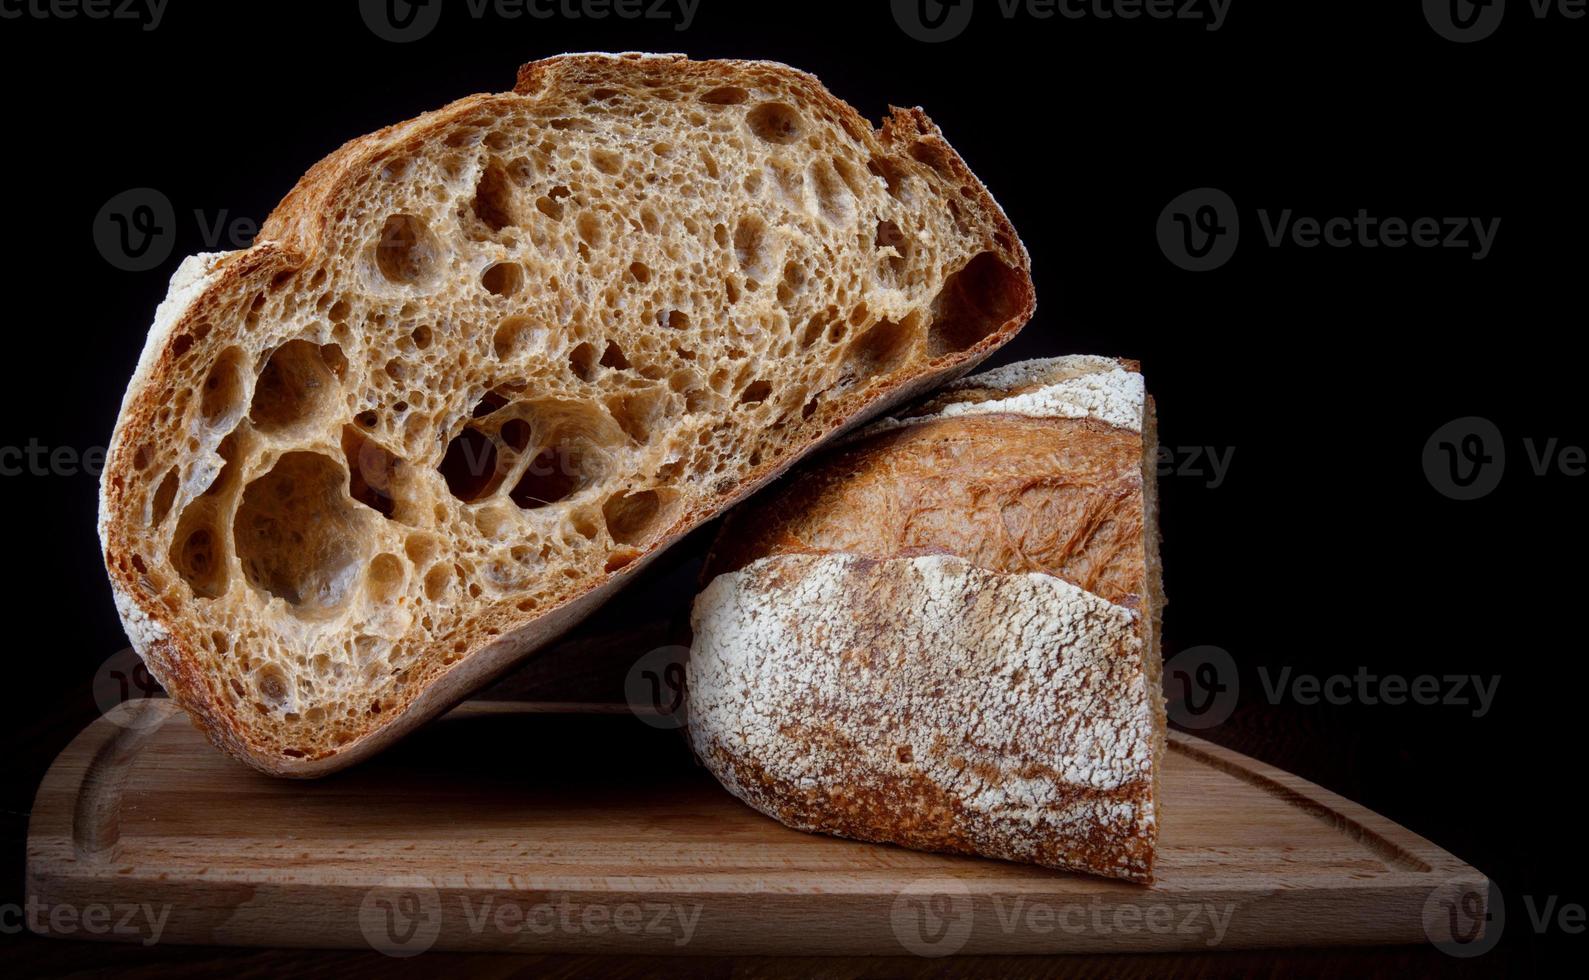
pixel 502 827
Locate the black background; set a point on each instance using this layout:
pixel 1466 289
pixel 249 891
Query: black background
pixel 1323 370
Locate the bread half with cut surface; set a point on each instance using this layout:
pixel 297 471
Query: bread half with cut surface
pixel 944 633
pixel 481 366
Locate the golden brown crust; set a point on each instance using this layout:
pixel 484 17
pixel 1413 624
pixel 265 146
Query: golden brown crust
pixel 1008 493
pixel 943 634
pixel 296 233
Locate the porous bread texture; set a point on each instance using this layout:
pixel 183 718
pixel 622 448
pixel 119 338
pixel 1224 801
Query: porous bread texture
pixel 930 703
pixel 1039 478
pixel 482 365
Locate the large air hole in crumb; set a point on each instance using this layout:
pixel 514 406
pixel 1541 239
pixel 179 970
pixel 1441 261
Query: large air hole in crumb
pixel 295 385
pixel 198 552
pixel 373 472
pixel 546 480
pixel 935 155
pixel 164 495
pixel 975 302
pixel 725 95
pixel 437 581
pixel 551 204
pixel 493 197
pixel 774 122
pixel 896 248
pixel 882 347
pixel 517 335
pixel 609 162
pixel 756 391
pixel 582 361
pixel 407 252
pixel 503 278
pixel 470 465
pixel 892 172
pixel 633 518
pixel 750 236
pixel 229 451
pixel 385 577
pixel 637 413
pixel 489 404
pixel 221 396
pixel 516 434
pixel 613 357
pixel 299 535
pixel 274 687
pixel 833 197
pixel 575 441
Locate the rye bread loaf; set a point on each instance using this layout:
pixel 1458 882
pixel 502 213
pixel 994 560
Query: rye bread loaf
pixel 944 633
pixel 480 366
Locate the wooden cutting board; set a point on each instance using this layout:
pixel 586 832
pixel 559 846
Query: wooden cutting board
pixel 504 826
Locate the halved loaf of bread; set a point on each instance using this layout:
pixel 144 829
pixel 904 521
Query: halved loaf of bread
pixel 944 634
pixel 479 367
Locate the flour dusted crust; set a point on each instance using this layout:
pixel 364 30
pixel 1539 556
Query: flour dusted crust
pixel 481 366
pixel 944 634
pixel 1002 715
